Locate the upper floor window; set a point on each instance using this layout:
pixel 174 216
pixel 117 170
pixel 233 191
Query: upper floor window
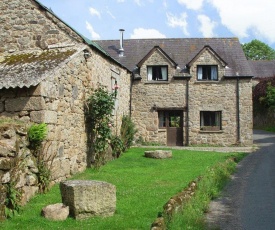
pixel 207 72
pixel 157 73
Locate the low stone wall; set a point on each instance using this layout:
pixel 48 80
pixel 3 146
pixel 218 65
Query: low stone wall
pixel 18 167
pixel 175 204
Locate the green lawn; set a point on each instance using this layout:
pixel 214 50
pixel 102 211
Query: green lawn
pixel 143 186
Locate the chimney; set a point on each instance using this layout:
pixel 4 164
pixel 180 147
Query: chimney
pixel 121 50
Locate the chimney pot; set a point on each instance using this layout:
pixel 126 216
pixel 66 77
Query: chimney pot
pixel 121 50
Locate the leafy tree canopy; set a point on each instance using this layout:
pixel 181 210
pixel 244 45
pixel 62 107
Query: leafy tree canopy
pixel 257 50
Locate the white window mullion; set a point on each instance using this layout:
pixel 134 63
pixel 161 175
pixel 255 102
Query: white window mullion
pixel 199 72
pixel 164 73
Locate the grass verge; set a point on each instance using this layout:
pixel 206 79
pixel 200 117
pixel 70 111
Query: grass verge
pixel 192 215
pixel 143 185
pixel 267 128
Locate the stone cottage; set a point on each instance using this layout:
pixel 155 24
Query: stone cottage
pixel 189 91
pixel 47 71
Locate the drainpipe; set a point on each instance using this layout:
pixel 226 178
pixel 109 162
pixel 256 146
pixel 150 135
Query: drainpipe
pixel 238 111
pixel 131 92
pixel 187 111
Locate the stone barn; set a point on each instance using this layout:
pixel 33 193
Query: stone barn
pixel 47 71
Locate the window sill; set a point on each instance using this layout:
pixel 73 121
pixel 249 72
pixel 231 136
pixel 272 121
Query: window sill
pixel 211 131
pixel 207 82
pixel 161 130
pixel 156 82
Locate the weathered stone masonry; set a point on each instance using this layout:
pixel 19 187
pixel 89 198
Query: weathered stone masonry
pixel 146 94
pixel 59 98
pixel 218 95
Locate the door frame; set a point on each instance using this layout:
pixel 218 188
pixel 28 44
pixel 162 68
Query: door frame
pixel 174 131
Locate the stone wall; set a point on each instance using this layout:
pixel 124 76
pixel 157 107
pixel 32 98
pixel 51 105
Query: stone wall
pixel 146 94
pixel 59 101
pixel 203 96
pixel 221 96
pixel 17 164
pixel 24 25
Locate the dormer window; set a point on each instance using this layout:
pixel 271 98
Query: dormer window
pixel 207 72
pixel 157 73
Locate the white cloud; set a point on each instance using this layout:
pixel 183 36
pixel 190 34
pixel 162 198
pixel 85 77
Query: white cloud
pixel 164 3
pixel 246 16
pixel 110 13
pixel 207 26
pixel 146 33
pixel 94 35
pixel 138 2
pixel 174 21
pixel 120 0
pixel 93 11
pixel 192 4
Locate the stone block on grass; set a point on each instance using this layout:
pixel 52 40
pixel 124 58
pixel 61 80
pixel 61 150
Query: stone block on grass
pixel 158 154
pixel 55 212
pixel 89 198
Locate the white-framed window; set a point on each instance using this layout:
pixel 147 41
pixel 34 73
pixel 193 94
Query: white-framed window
pixel 211 120
pixel 162 119
pixel 157 73
pixel 207 73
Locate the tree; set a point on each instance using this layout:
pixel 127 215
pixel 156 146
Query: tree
pixel 257 50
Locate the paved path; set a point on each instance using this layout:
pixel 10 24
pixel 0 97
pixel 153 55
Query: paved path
pixel 248 201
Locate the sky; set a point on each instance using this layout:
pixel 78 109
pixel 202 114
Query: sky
pixel 102 19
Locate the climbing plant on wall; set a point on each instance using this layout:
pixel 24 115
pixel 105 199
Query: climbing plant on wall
pixel 99 108
pixel 37 133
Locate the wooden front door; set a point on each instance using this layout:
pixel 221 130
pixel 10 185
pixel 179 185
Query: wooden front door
pixel 174 128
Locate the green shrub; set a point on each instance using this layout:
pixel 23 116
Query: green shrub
pixel 36 134
pixel 43 177
pixel 99 109
pixel 117 146
pixel 12 201
pixel 127 131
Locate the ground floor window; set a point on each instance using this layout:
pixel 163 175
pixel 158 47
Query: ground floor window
pixel 210 120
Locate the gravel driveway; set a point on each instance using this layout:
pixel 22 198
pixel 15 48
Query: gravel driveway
pixel 248 201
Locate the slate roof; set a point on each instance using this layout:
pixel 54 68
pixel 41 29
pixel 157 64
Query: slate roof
pixel 181 51
pixel 30 68
pixel 262 68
